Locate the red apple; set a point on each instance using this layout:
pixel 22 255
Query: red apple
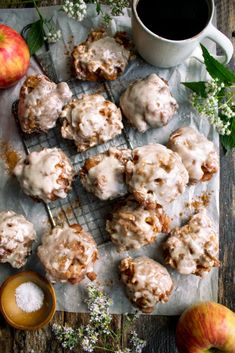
pixel 206 327
pixel 14 56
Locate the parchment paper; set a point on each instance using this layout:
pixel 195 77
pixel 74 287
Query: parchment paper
pixel 188 289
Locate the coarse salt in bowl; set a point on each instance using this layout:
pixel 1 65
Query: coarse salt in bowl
pixel 27 300
pixel 29 297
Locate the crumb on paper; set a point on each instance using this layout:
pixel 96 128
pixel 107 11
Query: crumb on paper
pixel 9 156
pixel 104 283
pixel 201 201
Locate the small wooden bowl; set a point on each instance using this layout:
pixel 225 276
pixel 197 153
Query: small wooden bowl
pixel 14 315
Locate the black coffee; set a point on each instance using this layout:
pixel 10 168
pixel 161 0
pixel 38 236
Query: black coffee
pixel 174 19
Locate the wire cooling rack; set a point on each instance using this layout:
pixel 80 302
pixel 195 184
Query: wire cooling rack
pixel 79 206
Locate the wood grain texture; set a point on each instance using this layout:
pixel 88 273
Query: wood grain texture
pixel 226 23
pixel 157 330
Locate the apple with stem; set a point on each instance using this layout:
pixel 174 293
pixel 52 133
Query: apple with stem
pixel 206 327
pixel 14 56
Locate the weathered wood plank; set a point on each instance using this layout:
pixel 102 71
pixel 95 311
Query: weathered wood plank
pixel 227 246
pixel 158 331
pixel 40 341
pixel 75 320
pixel 226 23
pixel 6 336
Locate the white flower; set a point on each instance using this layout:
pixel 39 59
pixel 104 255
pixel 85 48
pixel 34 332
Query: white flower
pixel 53 36
pixel 137 343
pixel 76 10
pixel 98 328
pixel 66 335
pixel 214 106
pixel 98 306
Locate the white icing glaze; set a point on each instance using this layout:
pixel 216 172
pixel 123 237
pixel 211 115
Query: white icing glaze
pixel 91 120
pixel 100 56
pixel 194 247
pixel 197 153
pixel 68 254
pixel 156 175
pixel 104 174
pixel 39 108
pixel 147 282
pixel 148 103
pixel 16 237
pixel 132 226
pixel 46 174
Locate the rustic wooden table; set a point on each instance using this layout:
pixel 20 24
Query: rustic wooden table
pixel 159 331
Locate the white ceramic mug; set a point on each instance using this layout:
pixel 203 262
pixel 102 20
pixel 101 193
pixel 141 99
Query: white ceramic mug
pixel 165 53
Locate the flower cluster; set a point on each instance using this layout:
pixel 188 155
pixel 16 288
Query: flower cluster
pixel 218 110
pixel 98 333
pixel 100 319
pixel 116 9
pixel 67 336
pixel 117 6
pixel 137 344
pixel 53 35
pixel 76 10
pixel 88 338
pixel 98 305
pixel 42 30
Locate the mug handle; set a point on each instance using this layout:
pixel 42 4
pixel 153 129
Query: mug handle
pixel 219 38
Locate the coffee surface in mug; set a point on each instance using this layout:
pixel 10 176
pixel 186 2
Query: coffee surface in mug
pixel 174 19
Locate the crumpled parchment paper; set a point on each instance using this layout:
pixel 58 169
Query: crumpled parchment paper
pixel 188 289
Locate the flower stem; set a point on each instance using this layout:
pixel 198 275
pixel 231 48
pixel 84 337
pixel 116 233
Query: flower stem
pixel 37 9
pixel 40 16
pixel 115 335
pixel 105 349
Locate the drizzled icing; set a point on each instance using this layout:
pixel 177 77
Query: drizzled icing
pixel 91 120
pixel 132 226
pixel 41 102
pixel 147 282
pixel 68 254
pixel 46 174
pixel 101 56
pixel 194 247
pixel 16 237
pixel 197 153
pixel 156 175
pixel 104 174
pixel 148 103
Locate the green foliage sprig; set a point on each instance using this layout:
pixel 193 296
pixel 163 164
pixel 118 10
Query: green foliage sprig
pixel 40 31
pixel 98 333
pixel 45 30
pixel 215 99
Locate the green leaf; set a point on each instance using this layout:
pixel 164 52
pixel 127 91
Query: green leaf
pixel 35 36
pixel 216 69
pixel 197 87
pixel 228 141
pixel 98 7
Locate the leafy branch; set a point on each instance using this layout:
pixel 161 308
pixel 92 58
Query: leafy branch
pixel 98 333
pixel 215 99
pixel 45 30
